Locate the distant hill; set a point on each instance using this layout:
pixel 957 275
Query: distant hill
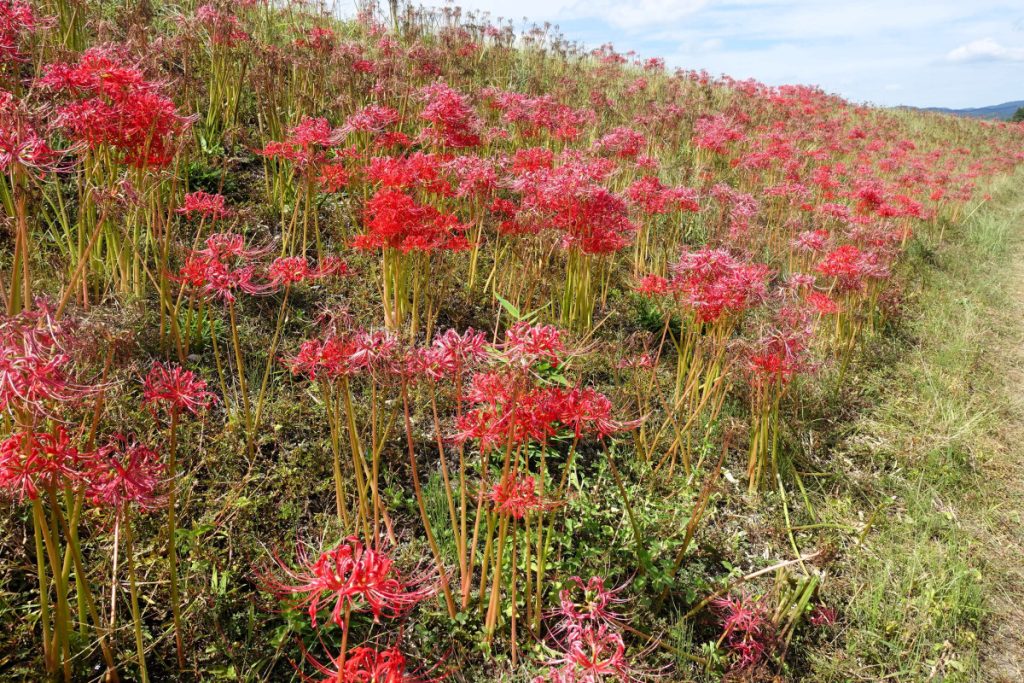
pixel 1000 112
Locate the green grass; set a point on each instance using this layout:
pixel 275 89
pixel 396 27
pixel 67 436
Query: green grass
pixel 915 590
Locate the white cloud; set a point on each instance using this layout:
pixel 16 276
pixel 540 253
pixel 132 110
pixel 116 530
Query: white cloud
pixel 985 50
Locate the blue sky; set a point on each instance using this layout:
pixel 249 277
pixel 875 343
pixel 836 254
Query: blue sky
pixel 953 53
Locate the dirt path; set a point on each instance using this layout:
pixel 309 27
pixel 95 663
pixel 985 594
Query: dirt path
pixel 998 522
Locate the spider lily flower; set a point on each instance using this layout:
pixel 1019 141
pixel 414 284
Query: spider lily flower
pixel 588 602
pixel 355 578
pixel 526 344
pixel 747 629
pixel 453 122
pixel 204 205
pixel 290 270
pixel 307 144
pixel 173 388
pixel 111 104
pixel 36 371
pixel 124 473
pixel 590 654
pixel 17 20
pixel 365 664
pixel 32 462
pixel 516 496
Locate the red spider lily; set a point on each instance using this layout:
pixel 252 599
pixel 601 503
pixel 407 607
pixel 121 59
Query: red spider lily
pixel 526 344
pixel 456 352
pixel 31 462
pixel 850 267
pixel 640 361
pixel 366 665
pixel 317 39
pixel 394 220
pixel 532 116
pixel 123 473
pixel 453 122
pixel 590 654
pixel 172 387
pixel 822 303
pixel 814 241
pixel 652 197
pixel 715 133
pixel 306 145
pixel 17 20
pixel 570 200
pixel 588 411
pixel 622 142
pixel 346 355
pixel 227 246
pixel 333 178
pixel 799 281
pixel 747 629
pixel 223 28
pixel 290 270
pixel 778 357
pixel 476 177
pixel 356 578
pixel 217 280
pixel 450 355
pixel 113 105
pixel 419 171
pixel 21 147
pixel 713 284
pixel 588 603
pixel 35 370
pixel 823 616
pixel 653 285
pixel 373 118
pixel 516 496
pixel 205 205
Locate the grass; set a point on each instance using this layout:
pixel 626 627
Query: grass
pixel 917 592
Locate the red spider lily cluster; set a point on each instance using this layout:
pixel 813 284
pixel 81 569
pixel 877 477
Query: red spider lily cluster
pixel 308 145
pixel 224 268
pixel 112 104
pixel 37 372
pixel 516 496
pixel 394 220
pixel 17 20
pixel 711 284
pixel 356 578
pixel 367 665
pixel 763 228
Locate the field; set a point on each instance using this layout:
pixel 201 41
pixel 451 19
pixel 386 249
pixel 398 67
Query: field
pixel 411 347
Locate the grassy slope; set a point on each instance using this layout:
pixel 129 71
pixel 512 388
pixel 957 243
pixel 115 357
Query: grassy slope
pixel 931 592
